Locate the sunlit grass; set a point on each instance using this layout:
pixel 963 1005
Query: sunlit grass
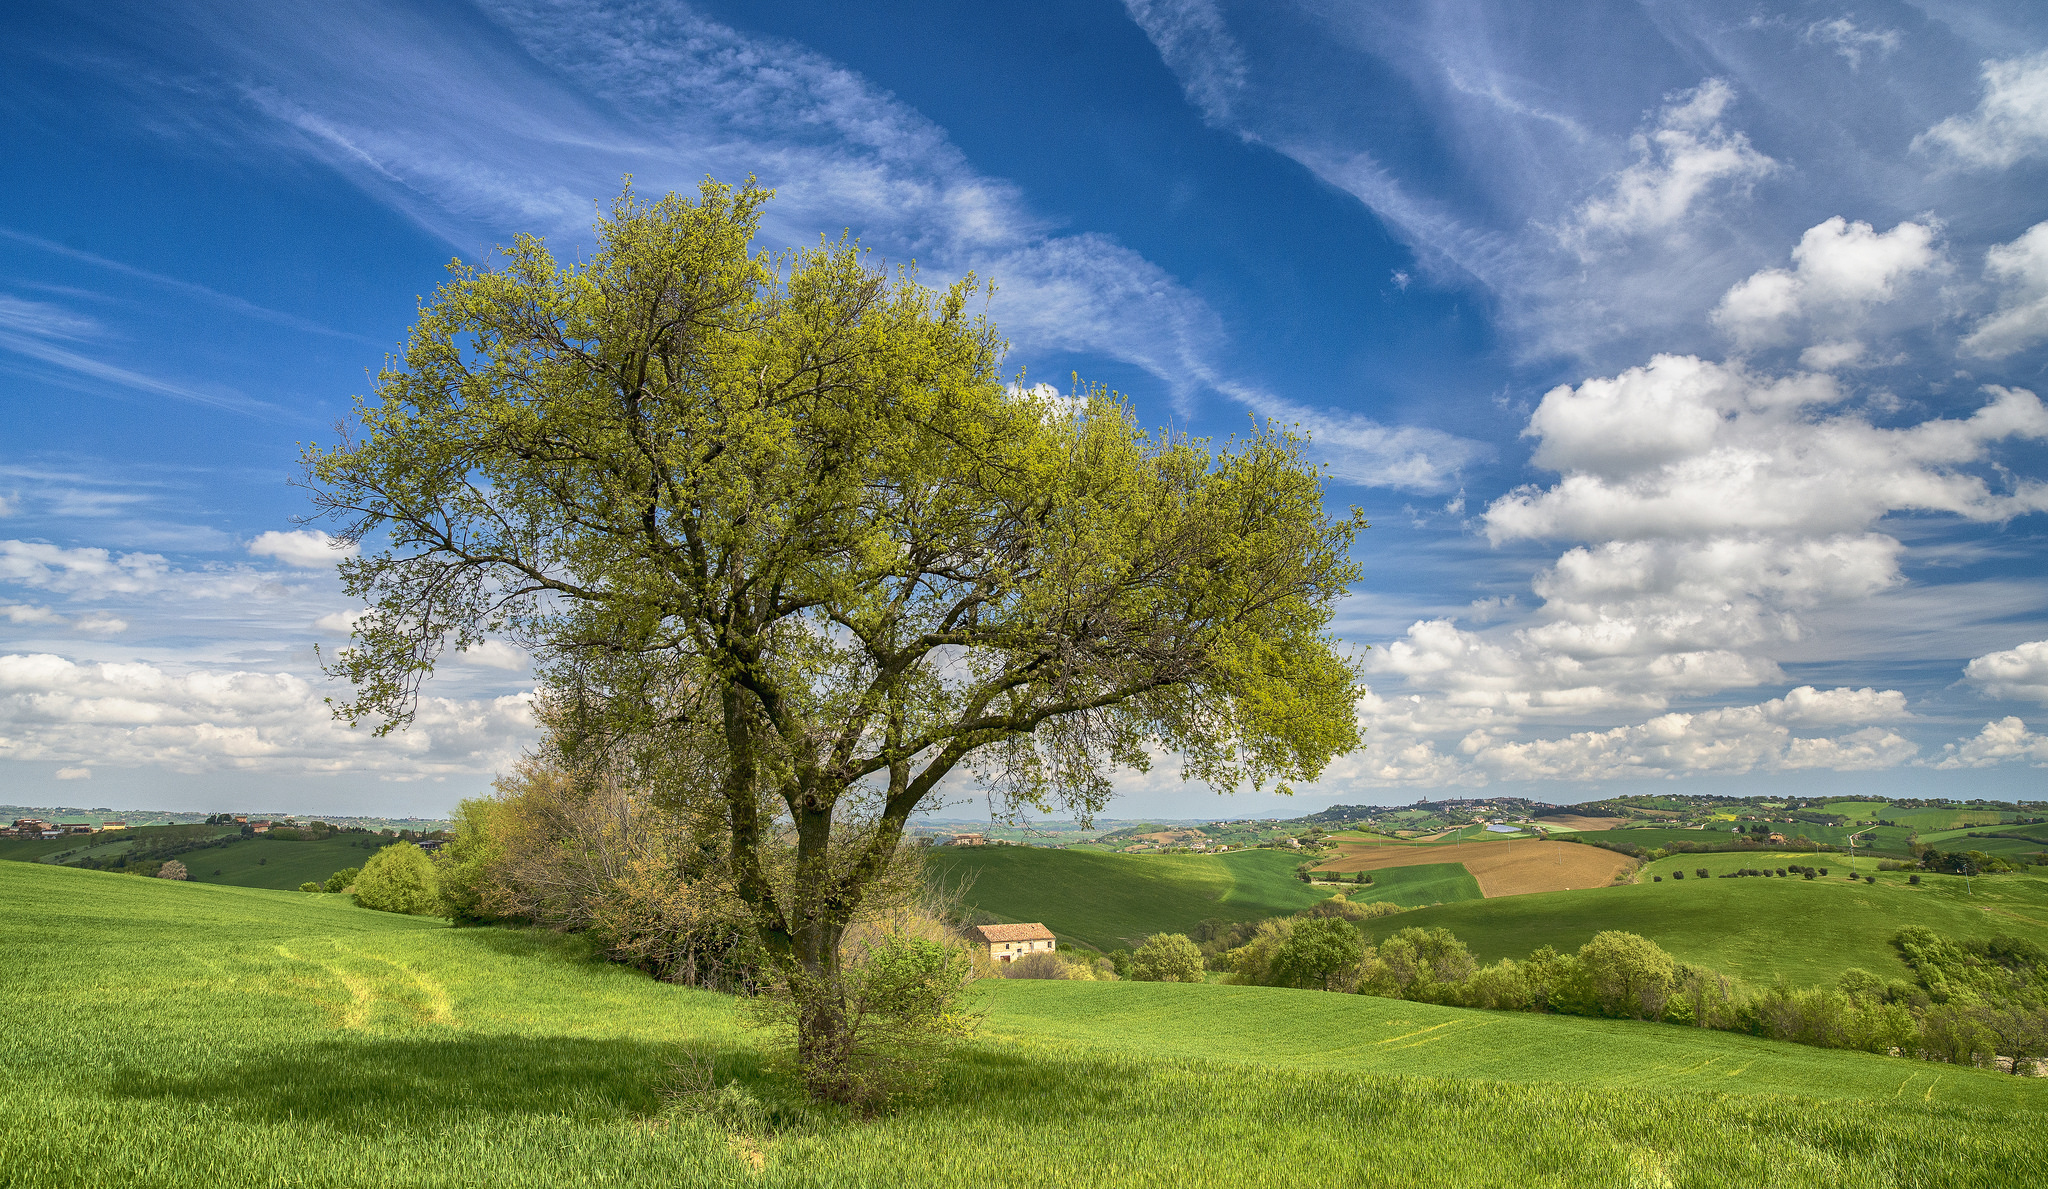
pixel 177 1035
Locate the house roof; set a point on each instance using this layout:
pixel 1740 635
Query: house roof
pixel 1031 932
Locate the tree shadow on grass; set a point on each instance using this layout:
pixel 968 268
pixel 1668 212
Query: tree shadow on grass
pixel 370 1083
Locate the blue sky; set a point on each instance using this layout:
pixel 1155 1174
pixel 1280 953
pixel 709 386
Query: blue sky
pixel 1684 357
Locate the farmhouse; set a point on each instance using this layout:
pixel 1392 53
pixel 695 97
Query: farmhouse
pixel 1007 942
pixel 969 840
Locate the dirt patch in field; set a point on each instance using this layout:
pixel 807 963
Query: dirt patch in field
pixel 1573 821
pixel 1510 868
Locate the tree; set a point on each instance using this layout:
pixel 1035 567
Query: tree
pixel 1320 950
pixel 1167 958
pixel 783 523
pixel 1627 974
pixel 399 878
pixel 172 869
pixel 341 880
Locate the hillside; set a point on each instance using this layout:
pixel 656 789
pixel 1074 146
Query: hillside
pixel 185 1034
pixel 1107 900
pixel 1757 929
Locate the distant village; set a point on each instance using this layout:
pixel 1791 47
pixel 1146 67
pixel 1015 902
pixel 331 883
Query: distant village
pixel 35 827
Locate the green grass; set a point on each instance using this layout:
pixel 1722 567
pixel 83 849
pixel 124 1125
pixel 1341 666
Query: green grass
pixel 260 863
pixel 1360 1034
pixel 1429 883
pixel 169 1035
pixel 1106 900
pixel 1922 819
pixel 1755 929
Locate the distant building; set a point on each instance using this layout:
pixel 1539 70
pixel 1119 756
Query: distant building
pixel 1009 942
pixel 113 825
pixel 969 840
pixel 260 827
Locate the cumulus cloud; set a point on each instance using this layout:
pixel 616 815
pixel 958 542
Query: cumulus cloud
pixel 1757 738
pixel 25 613
pixel 1999 742
pixel 1686 154
pixel 1840 269
pixel 494 654
pixel 2010 123
pixel 2018 672
pixel 2020 270
pixel 74 774
pixel 134 715
pixel 307 549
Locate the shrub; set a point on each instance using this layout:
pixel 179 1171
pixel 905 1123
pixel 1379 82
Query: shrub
pixel 1823 871
pixel 1870 879
pixel 172 869
pixel 1656 879
pixel 1167 958
pixel 341 880
pixel 1701 872
pixel 400 878
pixel 1628 975
pixel 1043 964
pixel 310 886
pixel 1914 880
pixel 1318 954
pixel 1678 875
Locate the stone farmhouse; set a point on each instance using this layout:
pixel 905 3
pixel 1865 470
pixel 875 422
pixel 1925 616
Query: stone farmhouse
pixel 1009 942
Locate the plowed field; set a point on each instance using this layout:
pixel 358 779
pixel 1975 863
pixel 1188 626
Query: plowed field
pixel 1502 868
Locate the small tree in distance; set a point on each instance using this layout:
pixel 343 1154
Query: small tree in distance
pixel 172 869
pixel 399 878
pixel 781 534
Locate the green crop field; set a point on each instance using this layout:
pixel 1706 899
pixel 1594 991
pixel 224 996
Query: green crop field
pixel 261 863
pixel 1430 883
pixel 1756 929
pixel 1922 819
pixel 1106 901
pixel 164 1035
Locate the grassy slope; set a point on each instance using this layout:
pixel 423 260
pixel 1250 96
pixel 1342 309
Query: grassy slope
pixel 203 1035
pixel 260 863
pixel 1360 1034
pixel 1755 929
pixel 1108 900
pixel 1430 883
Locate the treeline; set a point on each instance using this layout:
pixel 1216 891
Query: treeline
pixel 1970 1003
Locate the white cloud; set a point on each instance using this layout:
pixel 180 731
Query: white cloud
pixel 2020 268
pixel 339 622
pixel 195 720
pixel 1195 44
pixel 91 573
pixel 44 320
pixel 494 654
pixel 1840 269
pixel 1687 154
pixel 2010 123
pixel 1689 449
pixel 102 625
pixel 1733 740
pixel 74 774
pixel 2018 672
pixel 307 549
pixel 1999 742
pixel 25 613
pixel 1843 35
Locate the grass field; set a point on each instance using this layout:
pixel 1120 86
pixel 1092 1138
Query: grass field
pixel 170 1035
pixel 1807 931
pixel 1107 900
pixel 1428 883
pixel 260 863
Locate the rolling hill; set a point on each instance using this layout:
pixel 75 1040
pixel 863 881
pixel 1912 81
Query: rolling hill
pixel 1105 901
pixel 170 1034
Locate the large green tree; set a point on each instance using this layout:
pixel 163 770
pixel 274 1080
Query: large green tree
pixel 784 521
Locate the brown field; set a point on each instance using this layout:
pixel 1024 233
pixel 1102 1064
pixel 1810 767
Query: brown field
pixel 1575 822
pixel 1509 868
